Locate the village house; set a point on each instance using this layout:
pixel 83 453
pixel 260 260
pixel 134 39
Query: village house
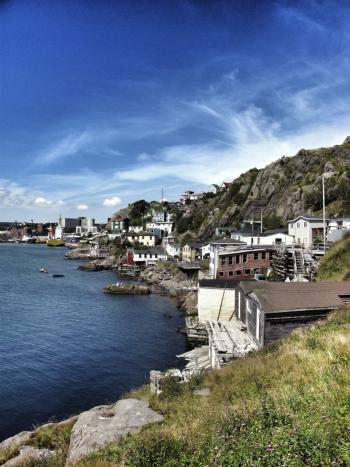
pixel 225 186
pixel 271 310
pixel 160 228
pixel 162 216
pixel 205 251
pixel 148 257
pixel 243 316
pixel 191 252
pixel 135 228
pixel 190 196
pixel 221 246
pixel 307 230
pixel 171 246
pixel 120 225
pixel 268 238
pixel 244 263
pixel 213 189
pixel 142 238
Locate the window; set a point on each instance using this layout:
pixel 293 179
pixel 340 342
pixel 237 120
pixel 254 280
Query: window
pixel 239 272
pixel 247 272
pixel 156 256
pixel 230 260
pixel 263 255
pixel 150 255
pixel 221 273
pixel 305 224
pixel 256 256
pixel 223 261
pixel 298 225
pixel 237 259
pixel 230 273
pixel 257 271
pixel 258 240
pixel 244 258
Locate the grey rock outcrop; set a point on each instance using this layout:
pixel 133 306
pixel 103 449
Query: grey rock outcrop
pixel 29 455
pixel 16 440
pixel 104 424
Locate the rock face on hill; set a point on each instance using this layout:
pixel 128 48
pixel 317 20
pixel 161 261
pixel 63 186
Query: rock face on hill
pixel 282 190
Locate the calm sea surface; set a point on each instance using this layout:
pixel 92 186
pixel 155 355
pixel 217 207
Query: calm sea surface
pixel 65 346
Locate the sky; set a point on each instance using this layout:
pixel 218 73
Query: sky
pixel 106 102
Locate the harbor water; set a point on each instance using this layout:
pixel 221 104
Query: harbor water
pixel 65 346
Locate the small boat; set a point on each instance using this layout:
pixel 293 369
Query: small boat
pixel 57 275
pixel 44 270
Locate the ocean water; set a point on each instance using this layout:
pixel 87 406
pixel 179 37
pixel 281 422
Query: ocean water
pixel 65 346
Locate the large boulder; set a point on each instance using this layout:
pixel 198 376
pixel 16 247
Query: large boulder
pixel 29 455
pixel 104 424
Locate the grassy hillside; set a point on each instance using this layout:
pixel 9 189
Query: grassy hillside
pixel 335 265
pixel 286 405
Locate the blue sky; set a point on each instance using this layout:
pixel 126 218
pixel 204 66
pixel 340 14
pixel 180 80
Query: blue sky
pixel 106 102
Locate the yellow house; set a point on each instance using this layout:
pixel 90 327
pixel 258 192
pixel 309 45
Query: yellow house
pixel 191 252
pixel 142 238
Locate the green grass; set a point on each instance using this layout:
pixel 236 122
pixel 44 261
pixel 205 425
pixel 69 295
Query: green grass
pixel 286 405
pixel 335 265
pixel 54 436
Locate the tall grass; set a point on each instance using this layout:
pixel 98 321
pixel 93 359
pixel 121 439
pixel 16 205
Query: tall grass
pixel 335 265
pixel 287 405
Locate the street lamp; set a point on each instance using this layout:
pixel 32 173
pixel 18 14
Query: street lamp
pixel 324 175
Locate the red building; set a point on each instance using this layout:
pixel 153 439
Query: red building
pixel 244 263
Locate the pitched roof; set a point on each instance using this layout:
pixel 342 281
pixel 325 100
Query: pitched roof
pixel 277 297
pixel 308 218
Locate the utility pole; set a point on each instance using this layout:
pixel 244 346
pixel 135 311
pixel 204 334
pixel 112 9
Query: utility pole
pixel 324 214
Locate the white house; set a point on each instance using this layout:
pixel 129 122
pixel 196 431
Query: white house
pixel 306 230
pixel 173 249
pixel 278 238
pixel 147 257
pixel 163 226
pixel 135 228
pixel 205 251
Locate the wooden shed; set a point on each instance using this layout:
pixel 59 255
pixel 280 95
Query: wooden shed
pixel 271 310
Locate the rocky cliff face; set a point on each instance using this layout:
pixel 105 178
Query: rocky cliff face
pixel 282 190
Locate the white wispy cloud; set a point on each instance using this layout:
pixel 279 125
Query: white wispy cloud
pixel 82 207
pixel 112 202
pixel 42 202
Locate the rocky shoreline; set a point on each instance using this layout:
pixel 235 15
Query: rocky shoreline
pixel 126 289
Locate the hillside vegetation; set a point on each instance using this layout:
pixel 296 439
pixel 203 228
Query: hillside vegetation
pixel 285 405
pixel 335 265
pixel 282 190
